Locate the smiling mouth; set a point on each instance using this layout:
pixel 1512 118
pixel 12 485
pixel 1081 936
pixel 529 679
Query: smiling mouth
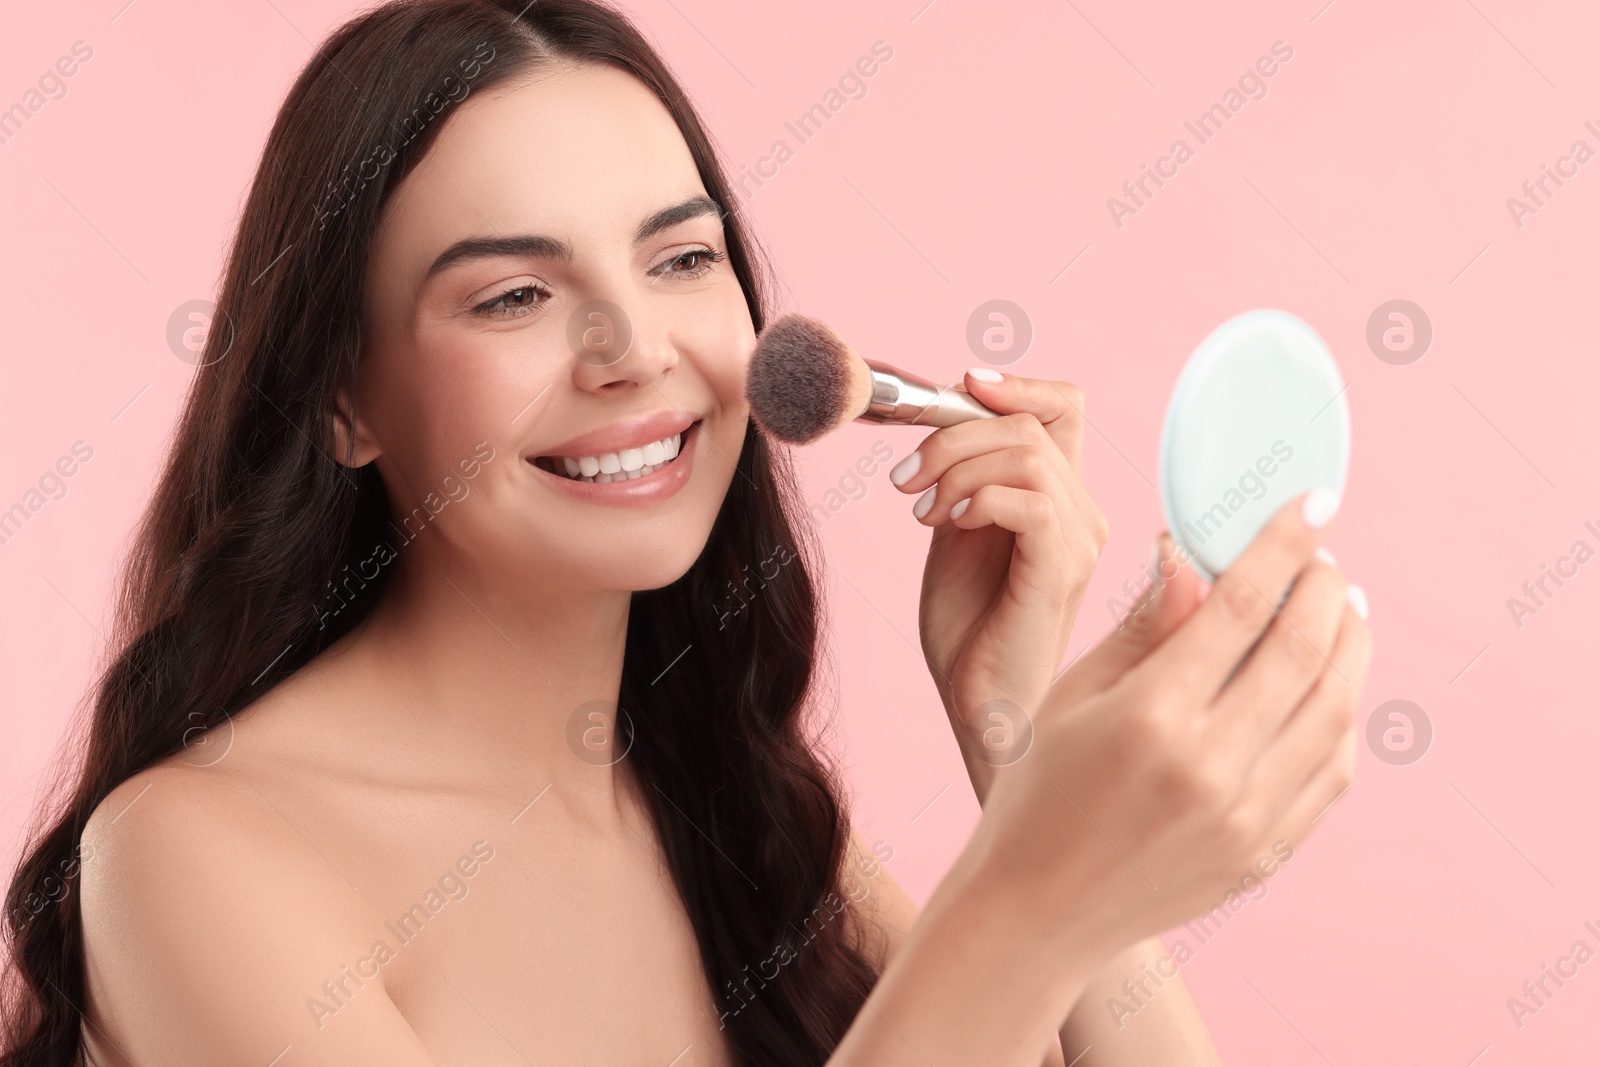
pixel 629 464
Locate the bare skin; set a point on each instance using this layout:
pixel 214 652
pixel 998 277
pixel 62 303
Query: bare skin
pixel 231 890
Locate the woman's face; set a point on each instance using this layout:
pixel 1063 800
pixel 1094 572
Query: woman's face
pixel 549 285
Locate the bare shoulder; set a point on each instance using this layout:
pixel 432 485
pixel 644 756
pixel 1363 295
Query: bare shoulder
pixel 886 913
pixel 208 923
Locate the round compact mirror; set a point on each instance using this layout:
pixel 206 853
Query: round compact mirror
pixel 1257 417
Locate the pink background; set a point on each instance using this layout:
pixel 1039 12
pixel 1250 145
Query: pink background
pixel 977 167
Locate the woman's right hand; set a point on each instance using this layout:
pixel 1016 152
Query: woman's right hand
pixel 1155 780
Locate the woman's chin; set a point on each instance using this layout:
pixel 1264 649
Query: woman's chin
pixel 658 569
pixel 637 571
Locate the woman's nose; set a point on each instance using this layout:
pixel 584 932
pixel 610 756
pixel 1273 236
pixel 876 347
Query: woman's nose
pixel 611 344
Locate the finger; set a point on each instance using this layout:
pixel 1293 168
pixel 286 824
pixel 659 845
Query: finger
pixel 1321 792
pixel 944 451
pixel 1173 595
pixel 1287 783
pixel 1292 655
pixel 1200 655
pixel 1037 466
pixel 1057 405
pixel 946 447
pixel 1041 567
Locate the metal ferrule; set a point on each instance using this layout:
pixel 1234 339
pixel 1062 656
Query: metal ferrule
pixel 902 397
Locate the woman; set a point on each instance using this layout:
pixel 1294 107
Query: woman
pixel 428 741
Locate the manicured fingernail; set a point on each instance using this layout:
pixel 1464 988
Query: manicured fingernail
pixel 1158 575
pixel 961 506
pixel 1327 557
pixel 902 472
pixel 1319 506
pixel 1171 551
pixel 984 374
pixel 924 502
pixel 1159 553
pixel 1358 599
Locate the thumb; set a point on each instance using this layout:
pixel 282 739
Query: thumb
pixel 1173 596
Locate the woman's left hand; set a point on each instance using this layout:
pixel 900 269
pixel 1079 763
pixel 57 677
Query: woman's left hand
pixel 1005 575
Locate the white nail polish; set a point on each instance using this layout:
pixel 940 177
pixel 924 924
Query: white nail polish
pixel 1319 506
pixel 984 374
pixel 905 469
pixel 1358 599
pixel 1327 557
pixel 960 508
pixel 924 502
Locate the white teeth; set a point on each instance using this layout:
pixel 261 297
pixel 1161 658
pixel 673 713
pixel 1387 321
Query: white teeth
pixel 626 464
pixel 647 469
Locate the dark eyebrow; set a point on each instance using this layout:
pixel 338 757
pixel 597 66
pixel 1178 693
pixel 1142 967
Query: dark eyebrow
pixel 691 208
pixel 538 246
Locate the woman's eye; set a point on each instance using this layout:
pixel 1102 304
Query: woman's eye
pixel 519 301
pixel 699 261
pixel 514 302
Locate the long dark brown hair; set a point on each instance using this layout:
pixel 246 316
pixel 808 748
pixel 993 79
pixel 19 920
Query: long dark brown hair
pixel 252 520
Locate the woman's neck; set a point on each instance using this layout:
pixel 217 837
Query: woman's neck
pixel 476 676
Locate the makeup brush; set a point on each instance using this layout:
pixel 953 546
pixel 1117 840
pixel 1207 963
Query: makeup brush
pixel 804 382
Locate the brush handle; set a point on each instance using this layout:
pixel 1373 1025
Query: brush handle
pixel 901 397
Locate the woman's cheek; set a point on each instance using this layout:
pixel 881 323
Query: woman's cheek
pixel 727 367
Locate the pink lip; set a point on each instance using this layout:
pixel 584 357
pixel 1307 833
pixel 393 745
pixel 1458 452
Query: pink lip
pixel 630 433
pixel 648 489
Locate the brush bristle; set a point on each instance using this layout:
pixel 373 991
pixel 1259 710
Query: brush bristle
pixel 804 381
